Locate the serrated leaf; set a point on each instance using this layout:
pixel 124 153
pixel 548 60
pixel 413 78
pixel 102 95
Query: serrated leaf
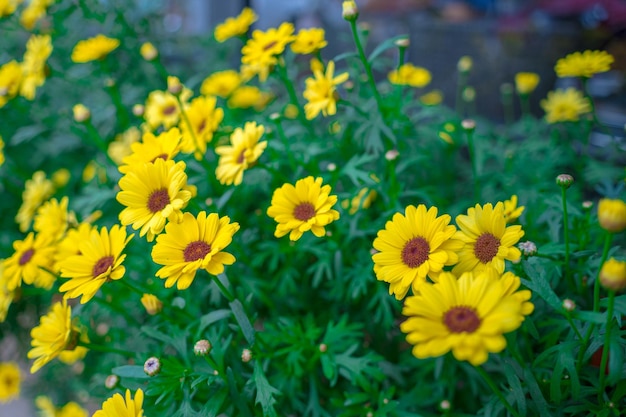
pixel 539 284
pixel 185 410
pixel 264 391
pixel 329 369
pixel 589 316
pixel 130 371
pixel 358 175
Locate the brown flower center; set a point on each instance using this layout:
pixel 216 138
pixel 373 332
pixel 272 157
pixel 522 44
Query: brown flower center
pixel 415 252
pixel 201 126
pixel 241 157
pixel 102 266
pixel 486 247
pixel 169 110
pixel 162 156
pixel 196 250
pixel 269 45
pixel 461 319
pixel 26 256
pixel 158 200
pixel 304 211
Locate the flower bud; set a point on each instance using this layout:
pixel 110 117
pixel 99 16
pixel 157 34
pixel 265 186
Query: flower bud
pixel 323 347
pixel 402 42
pixel 246 355
pixel 152 304
pixel 81 113
pixel 469 94
pixel 331 167
pixel 148 51
pixel 152 366
pixel 613 275
pixel 469 125
pixel 350 11
pixel 392 155
pixel 202 347
pixel 564 180
pixel 569 305
pixel 587 204
pixel 138 110
pixel 612 215
pixel 445 405
pixel 528 248
pixel 174 85
pixel 465 64
pixel 111 381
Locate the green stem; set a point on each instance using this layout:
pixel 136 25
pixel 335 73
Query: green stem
pixel 183 113
pixel 293 98
pixel 368 68
pixel 106 349
pixel 283 138
pixel 566 271
pixel 496 391
pixel 568 316
pixel 401 56
pixel 472 155
pixel 225 291
pixel 524 104
pixel 123 119
pixel 460 86
pixel 607 341
pixel 98 140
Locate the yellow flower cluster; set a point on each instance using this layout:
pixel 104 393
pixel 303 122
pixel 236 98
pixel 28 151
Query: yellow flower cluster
pixel 409 74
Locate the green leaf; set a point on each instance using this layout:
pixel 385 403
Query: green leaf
pixel 185 410
pixel 210 318
pixel 178 340
pixel 329 368
pixel 389 43
pixel 516 388
pixel 536 394
pixel 264 391
pixel 616 357
pixel 539 284
pixel 589 316
pixel 357 175
pixel 27 133
pixel 214 405
pixel 130 371
pixel 244 322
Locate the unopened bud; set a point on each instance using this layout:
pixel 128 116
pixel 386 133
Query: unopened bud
pixel 587 204
pixel 468 124
pixel 152 304
pixel 392 155
pixel 152 366
pixel 569 305
pixel 365 28
pixel 564 180
pixel 111 381
pixel 469 94
pixel 148 51
pixel 174 85
pixel 465 64
pixel 202 347
pixel 323 347
pixel 613 275
pixel 81 113
pixel 528 248
pixel 506 89
pixel 246 355
pixel 275 117
pixel 138 110
pixel 402 42
pixel 612 215
pixel 331 167
pixel 350 11
pixel 445 405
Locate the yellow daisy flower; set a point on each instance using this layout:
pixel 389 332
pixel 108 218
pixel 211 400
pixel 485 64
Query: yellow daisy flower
pixel 467 316
pixel 321 92
pixel 565 105
pixel 38 49
pixel 97 47
pixel 526 82
pixel 303 207
pixel 153 193
pixel 117 406
pixel 36 190
pixel 488 242
pixel 409 74
pixel 30 262
pixel 69 245
pixel 195 243
pixel 47 408
pixel 151 303
pixel 52 218
pixel 121 145
pixel 164 146
pixel 6 295
pixel 584 64
pixel 413 246
pixel 309 41
pixel 221 83
pixel 100 260
pixel 248 96
pixel 511 211
pixel 53 335
pixel 612 214
pixel 10 378
pixel 11 75
pixel 243 152
pixel 235 26
pixel 204 118
pixel 262 48
pixel 162 108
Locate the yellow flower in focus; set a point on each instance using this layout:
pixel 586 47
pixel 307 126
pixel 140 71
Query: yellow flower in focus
pixel 413 246
pixel 81 113
pixel 308 41
pixel 243 152
pixel 321 92
pixel 10 378
pixel 612 215
pixel 303 207
pixel 565 105
pixel 584 64
pixel 204 117
pixel 100 260
pixel 53 335
pixel 11 75
pixel 30 262
pixel 195 243
pixel 117 406
pixel 36 190
pixel 47 408
pixel 432 98
pixel 262 48
pixel 364 199
pixel 162 108
pixel 164 146
pixel 148 51
pixel 410 75
pixel 152 304
pixel 153 193
pixel 613 275
pixel 97 47
pixel 221 83
pixel 488 241
pixel 38 49
pixel 511 211
pixel 120 148
pixel 526 82
pixel 467 316
pixel 52 219
pixel 235 26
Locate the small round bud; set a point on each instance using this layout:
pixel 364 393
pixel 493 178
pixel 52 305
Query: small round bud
pixel 569 305
pixel 61 177
pixel 587 204
pixel 385 400
pixel 528 248
pixel 148 51
pixel 403 42
pixel 152 304
pixel 469 94
pixel 81 113
pixel 349 10
pixel 138 110
pixel 174 85
pixel 246 355
pixel 102 329
pixel 215 372
pixel 331 167
pixel 369 414
pixel 612 215
pixel 323 347
pixel 152 366
pixel 465 64
pixel 348 85
pixel 564 180
pixel 111 381
pixel 202 347
pixel 109 82
pixel 275 117
pixel 392 155
pixel 613 275
pixel 469 125
pixel 445 405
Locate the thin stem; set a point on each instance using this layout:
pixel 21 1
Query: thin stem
pixel 368 68
pixel 401 56
pixel 568 316
pixel 472 155
pixel 106 349
pixel 183 113
pixel 225 291
pixel 281 135
pixel 496 391
pixel 566 271
pixel 293 97
pixel 607 340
